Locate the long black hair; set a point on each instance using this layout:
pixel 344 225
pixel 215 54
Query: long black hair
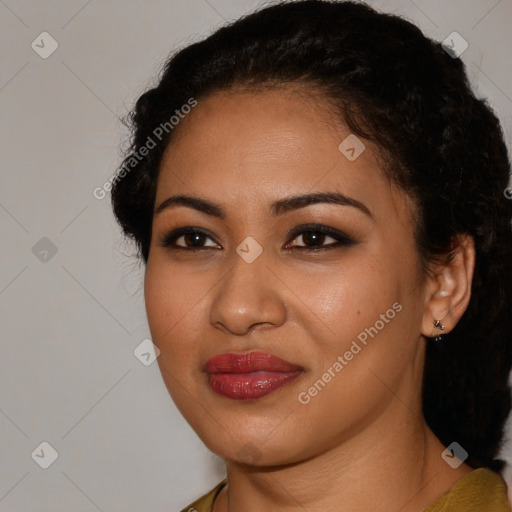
pixel 443 146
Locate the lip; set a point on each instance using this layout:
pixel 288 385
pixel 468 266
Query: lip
pixel 249 376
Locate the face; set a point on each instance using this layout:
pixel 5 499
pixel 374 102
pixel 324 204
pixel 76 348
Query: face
pixel 282 325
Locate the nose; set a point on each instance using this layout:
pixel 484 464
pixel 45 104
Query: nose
pixel 248 296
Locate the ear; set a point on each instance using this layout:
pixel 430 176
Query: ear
pixel 449 287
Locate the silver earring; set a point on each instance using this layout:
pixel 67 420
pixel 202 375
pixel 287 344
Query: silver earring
pixel 440 326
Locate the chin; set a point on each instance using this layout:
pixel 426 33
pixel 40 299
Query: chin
pixel 257 450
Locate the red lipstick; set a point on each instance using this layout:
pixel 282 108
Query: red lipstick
pixel 249 376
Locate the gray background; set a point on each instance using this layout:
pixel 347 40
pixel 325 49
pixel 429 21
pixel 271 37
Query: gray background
pixel 70 321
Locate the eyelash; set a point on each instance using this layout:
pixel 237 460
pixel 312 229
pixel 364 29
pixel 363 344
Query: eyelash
pixel 168 240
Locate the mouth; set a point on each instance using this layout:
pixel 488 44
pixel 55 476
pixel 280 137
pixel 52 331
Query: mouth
pixel 249 376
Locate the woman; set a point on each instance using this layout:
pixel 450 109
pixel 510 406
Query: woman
pixel 319 200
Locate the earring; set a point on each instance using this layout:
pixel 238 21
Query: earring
pixel 440 326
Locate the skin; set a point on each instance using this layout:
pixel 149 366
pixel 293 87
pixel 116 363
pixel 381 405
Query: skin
pixel 362 442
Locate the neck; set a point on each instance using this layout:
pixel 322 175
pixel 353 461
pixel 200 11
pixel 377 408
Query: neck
pixel 379 469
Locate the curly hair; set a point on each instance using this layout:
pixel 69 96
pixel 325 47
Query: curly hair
pixel 442 146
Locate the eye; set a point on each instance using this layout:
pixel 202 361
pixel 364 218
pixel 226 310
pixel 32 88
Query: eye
pixel 192 239
pixel 314 237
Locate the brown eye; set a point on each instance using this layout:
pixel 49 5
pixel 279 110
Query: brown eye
pixel 191 239
pixel 315 236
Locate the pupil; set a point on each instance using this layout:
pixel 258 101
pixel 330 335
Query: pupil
pixel 312 236
pixel 193 237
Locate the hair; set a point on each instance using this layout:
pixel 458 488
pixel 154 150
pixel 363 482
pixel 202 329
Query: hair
pixel 442 146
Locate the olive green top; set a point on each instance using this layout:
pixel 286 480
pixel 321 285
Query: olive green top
pixel 481 490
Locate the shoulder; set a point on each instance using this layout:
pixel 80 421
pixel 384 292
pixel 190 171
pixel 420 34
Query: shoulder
pixel 205 502
pixel 482 489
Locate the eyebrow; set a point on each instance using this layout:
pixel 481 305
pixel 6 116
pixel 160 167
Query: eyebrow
pixel 279 207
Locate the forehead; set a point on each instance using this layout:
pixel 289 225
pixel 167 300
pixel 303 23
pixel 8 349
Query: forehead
pixel 249 112
pixel 252 146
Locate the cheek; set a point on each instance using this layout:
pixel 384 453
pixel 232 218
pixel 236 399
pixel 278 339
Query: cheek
pixel 174 312
pixel 171 306
pixel 346 298
pixel 366 313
